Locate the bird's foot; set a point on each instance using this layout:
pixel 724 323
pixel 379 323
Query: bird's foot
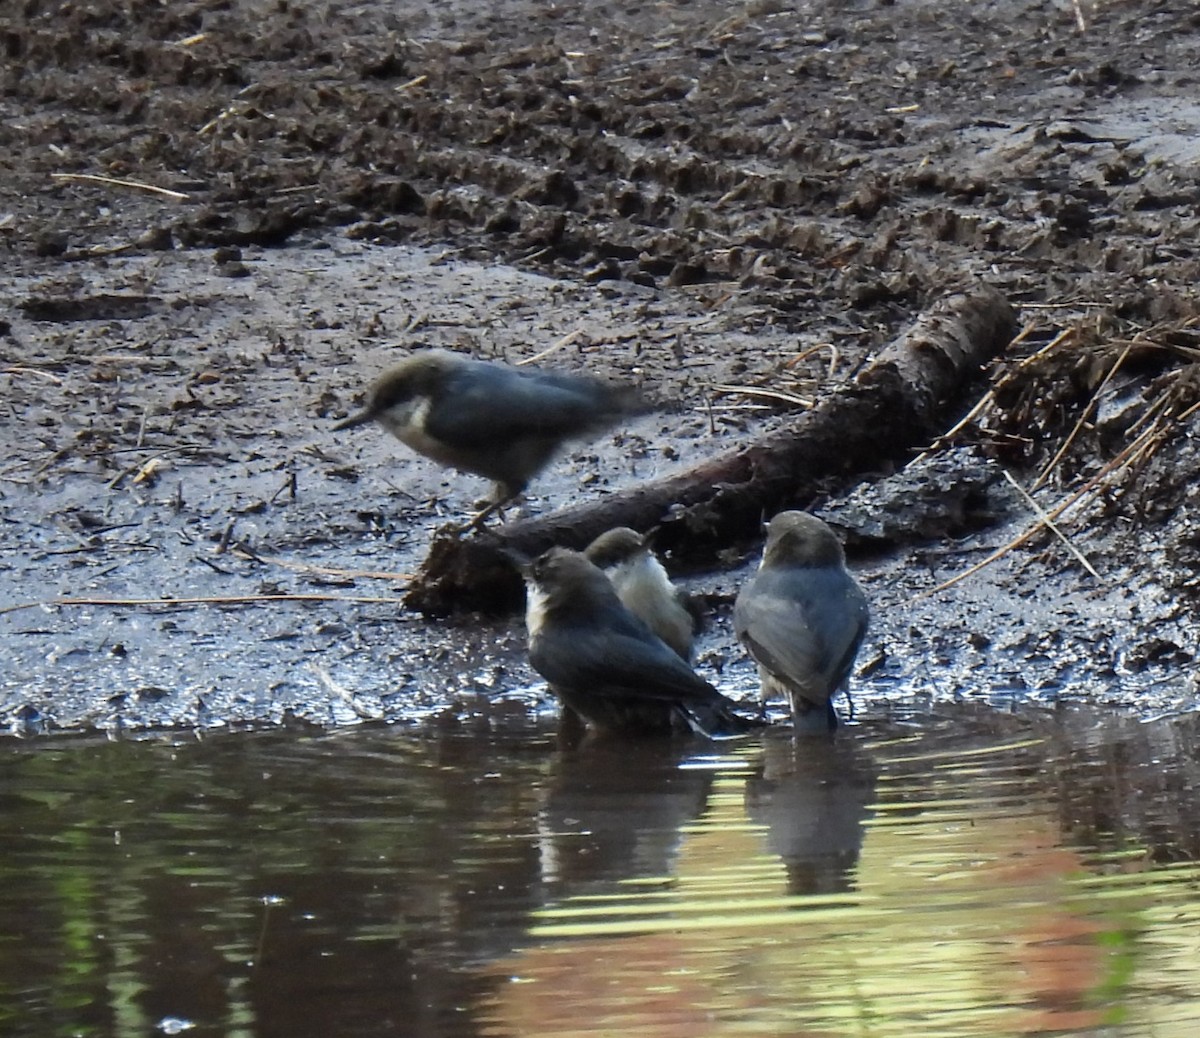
pixel 473 525
pixel 476 523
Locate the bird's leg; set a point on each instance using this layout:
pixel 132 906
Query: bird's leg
pixel 504 495
pixel 767 687
pixel 831 717
pixel 479 518
pixel 809 718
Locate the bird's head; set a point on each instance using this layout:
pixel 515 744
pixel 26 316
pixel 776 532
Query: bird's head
pixel 420 375
pixel 616 547
pixel 800 539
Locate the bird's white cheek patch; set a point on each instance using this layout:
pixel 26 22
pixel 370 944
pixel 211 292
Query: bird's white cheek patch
pixel 406 420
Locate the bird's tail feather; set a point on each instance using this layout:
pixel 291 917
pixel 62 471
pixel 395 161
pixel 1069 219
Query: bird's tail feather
pixel 716 719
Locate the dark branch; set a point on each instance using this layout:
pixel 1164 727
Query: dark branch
pixel 899 401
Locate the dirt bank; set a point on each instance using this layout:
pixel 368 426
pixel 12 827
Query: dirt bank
pixel 689 195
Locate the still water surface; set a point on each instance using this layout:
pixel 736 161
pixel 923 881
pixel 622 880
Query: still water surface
pixel 971 873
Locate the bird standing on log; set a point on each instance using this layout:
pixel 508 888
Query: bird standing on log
pixel 488 418
pixel 802 618
pixel 643 585
pixel 605 663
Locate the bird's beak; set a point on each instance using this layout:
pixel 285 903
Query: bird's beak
pixel 356 419
pixel 518 558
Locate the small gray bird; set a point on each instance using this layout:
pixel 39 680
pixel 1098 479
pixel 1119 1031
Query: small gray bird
pixel 488 418
pixel 642 584
pixel 802 618
pixel 605 663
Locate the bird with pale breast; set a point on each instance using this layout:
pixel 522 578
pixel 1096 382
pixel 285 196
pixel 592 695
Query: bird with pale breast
pixel 491 419
pixel 802 618
pixel 642 584
pixel 606 664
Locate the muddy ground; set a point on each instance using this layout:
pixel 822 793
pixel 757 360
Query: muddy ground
pixel 709 199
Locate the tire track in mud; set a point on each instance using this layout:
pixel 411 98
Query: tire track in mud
pixel 798 159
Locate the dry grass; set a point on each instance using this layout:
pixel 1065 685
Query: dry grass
pixel 1047 408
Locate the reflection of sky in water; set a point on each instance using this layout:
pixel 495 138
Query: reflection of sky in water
pixel 978 875
pixel 815 895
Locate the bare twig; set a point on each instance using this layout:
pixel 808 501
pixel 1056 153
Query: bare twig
pixel 1049 524
pixel 136 185
pixel 136 603
pixel 766 394
pixel 54 459
pixel 1052 345
pixel 1084 416
pixel 1064 306
pixel 982 403
pixel 368 712
pixel 566 340
pixel 327 571
pixel 143 471
pixel 1080 20
pixel 1131 451
pixel 32 371
pixel 289 485
pixel 834 356
pixel 226 538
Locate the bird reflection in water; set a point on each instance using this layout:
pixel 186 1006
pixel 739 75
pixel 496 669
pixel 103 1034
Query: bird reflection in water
pixel 613 810
pixel 813 797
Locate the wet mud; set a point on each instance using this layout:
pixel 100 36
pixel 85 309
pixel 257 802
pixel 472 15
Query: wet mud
pixel 734 208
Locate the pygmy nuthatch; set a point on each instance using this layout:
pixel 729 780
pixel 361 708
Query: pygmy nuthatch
pixel 643 586
pixel 605 663
pixel 802 618
pixel 488 418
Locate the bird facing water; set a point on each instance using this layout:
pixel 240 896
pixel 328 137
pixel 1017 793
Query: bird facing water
pixel 643 585
pixel 605 663
pixel 487 418
pixel 802 618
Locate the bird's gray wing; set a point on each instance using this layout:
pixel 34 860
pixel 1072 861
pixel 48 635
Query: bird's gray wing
pixel 859 617
pixel 616 663
pixel 804 627
pixel 486 406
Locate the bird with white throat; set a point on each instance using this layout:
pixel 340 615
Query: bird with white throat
pixel 642 583
pixel 491 419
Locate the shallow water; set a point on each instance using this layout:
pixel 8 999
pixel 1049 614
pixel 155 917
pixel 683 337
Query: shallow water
pixel 969 873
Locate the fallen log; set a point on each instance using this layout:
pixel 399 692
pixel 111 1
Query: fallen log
pixel 900 400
